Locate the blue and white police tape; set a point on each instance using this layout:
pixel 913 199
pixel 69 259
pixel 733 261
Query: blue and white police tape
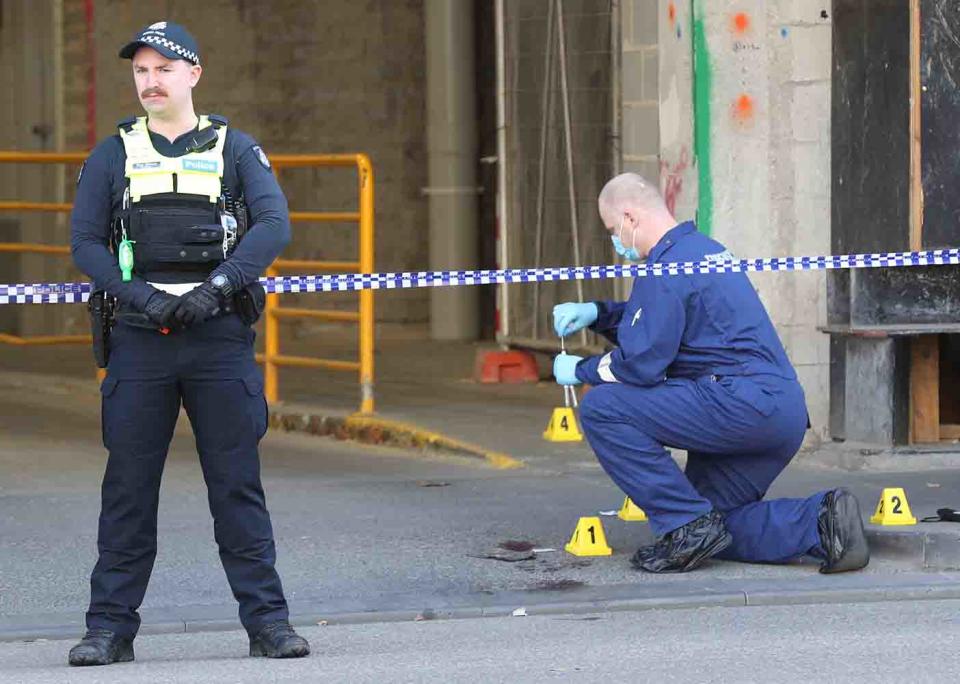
pixel 66 293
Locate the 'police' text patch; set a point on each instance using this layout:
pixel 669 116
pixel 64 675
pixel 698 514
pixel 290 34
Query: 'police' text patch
pixel 201 165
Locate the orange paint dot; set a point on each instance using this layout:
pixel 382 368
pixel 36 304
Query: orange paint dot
pixel 741 22
pixel 743 108
pixel 672 13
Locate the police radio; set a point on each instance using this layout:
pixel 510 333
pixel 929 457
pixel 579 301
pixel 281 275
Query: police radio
pixel 204 140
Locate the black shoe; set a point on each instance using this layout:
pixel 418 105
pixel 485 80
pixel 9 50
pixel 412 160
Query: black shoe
pixel 841 533
pixel 645 554
pixel 685 548
pixel 101 647
pixel 278 640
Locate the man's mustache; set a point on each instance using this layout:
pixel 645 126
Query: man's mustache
pixel 152 91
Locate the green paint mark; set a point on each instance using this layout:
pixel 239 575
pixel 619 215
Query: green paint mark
pixel 702 86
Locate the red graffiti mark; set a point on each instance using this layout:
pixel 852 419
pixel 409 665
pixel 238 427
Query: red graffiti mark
pixel 672 13
pixel 741 22
pixel 743 108
pixel 671 176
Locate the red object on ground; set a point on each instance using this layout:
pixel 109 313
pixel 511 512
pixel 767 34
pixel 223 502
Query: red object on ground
pixel 506 366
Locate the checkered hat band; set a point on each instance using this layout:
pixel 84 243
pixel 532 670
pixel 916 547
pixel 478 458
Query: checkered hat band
pixel 170 45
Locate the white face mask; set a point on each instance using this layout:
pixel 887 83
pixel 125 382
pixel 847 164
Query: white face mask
pixel 630 253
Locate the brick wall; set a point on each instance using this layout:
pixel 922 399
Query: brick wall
pixel 641 105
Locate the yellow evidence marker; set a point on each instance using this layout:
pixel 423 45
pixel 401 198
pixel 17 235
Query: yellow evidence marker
pixel 563 426
pixel 631 512
pixel 893 508
pixel 563 422
pixel 588 539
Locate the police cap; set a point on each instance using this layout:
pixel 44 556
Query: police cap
pixel 169 39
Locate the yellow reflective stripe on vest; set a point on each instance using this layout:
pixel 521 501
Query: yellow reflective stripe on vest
pixel 151 173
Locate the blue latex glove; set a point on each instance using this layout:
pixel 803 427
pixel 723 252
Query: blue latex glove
pixel 565 369
pixel 571 317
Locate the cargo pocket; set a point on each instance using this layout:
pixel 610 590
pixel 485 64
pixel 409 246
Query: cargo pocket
pixel 757 397
pixel 253 384
pixel 107 389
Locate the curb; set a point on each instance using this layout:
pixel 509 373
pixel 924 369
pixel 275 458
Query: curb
pixel 385 432
pixel 586 600
pixel 855 457
pixel 935 550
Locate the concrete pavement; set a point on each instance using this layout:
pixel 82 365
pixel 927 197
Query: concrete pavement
pixel 376 533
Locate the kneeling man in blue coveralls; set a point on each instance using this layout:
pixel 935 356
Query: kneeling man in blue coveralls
pixel 697 365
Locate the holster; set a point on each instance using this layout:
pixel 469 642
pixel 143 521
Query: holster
pixel 249 302
pixel 101 307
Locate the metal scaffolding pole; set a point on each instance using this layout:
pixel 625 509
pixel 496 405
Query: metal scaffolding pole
pixel 503 296
pixel 571 189
pixel 542 180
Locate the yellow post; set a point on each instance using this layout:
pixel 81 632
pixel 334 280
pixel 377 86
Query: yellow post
pixel 272 357
pixel 365 169
pixel 43 157
pixel 26 248
pixel 271 344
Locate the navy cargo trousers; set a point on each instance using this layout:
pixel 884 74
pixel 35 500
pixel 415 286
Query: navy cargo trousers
pixel 740 432
pixel 210 368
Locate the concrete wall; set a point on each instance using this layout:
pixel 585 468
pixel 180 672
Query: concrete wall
pixel 341 75
pixel 640 132
pixel 744 130
pixel 301 76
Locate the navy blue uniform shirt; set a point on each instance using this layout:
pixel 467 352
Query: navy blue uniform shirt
pixel 686 326
pixel 100 194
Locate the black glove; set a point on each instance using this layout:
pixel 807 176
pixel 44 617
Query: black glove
pixel 202 302
pixel 160 309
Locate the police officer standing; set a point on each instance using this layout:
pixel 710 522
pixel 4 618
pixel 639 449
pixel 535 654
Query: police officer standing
pixel 697 365
pixel 175 219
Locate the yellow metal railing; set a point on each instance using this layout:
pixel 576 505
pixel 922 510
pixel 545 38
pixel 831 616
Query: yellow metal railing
pixel 31 248
pixel 271 358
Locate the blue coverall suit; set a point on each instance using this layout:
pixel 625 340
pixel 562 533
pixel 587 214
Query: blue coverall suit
pixel 698 366
pixel 210 367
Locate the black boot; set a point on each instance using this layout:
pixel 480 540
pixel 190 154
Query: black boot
pixel 278 640
pixel 841 533
pixel 685 548
pixel 101 647
pixel 645 554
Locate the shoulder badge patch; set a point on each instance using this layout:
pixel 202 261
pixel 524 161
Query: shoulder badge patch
pixel 720 257
pixel 261 156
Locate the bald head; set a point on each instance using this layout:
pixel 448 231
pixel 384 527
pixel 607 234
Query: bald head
pixel 631 206
pixel 629 192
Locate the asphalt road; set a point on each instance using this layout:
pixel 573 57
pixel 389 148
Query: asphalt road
pixel 872 643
